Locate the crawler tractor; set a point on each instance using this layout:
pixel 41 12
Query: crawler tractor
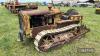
pixel 15 6
pixel 50 28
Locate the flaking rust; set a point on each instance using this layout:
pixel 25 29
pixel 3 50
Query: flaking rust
pixel 50 28
pixel 14 6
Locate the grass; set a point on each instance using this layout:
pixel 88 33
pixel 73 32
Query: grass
pixel 9 28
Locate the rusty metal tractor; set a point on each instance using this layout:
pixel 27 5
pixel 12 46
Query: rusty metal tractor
pixel 50 28
pixel 15 6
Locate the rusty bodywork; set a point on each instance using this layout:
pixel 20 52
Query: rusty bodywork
pixel 15 6
pixel 50 28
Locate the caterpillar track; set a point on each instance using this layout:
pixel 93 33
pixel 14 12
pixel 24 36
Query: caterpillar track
pixel 47 39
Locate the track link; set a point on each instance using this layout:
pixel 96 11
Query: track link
pixel 58 36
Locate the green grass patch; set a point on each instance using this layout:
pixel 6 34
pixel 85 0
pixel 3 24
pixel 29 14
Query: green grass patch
pixel 9 28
